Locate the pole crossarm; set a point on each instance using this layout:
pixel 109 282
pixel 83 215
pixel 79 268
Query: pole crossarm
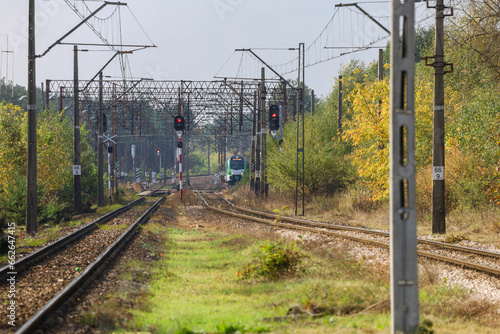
pixel 102 69
pixel 267 65
pixel 365 13
pixel 59 41
pixel 139 46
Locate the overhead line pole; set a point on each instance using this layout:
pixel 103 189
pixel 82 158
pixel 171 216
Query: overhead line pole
pixel 341 100
pixel 263 134
pixel 300 118
pixel 402 186
pixel 253 143
pixel 438 156
pixel 77 164
pixel 258 130
pixel 100 147
pixel 302 97
pixel 31 184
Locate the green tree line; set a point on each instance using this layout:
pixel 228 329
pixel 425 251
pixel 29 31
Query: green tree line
pixel 358 158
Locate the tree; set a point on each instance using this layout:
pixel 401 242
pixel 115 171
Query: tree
pixel 326 168
pixel 54 166
pixel 368 131
pixel 476 26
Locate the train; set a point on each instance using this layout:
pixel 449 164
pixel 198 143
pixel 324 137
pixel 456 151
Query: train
pixel 236 166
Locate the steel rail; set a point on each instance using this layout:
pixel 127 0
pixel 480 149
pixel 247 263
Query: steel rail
pixel 368 231
pixel 464 264
pixel 37 256
pixel 43 314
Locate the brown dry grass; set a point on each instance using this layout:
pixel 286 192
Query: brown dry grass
pixel 188 198
pixel 355 208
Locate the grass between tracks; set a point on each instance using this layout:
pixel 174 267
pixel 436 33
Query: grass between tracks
pixel 196 290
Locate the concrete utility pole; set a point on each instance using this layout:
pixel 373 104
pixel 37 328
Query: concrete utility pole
pixel 313 98
pixel 179 135
pixel 114 131
pixel 31 186
pixel 300 149
pixel 258 130
pixel 252 154
pixel 438 161
pixel 403 206
pixel 339 119
pixel 284 119
pixel 208 155
pixel 380 77
pixel 77 164
pixel 100 148
pixel 380 64
pixel 263 135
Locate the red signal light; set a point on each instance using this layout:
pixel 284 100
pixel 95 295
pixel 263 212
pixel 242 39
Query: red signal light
pixel 179 123
pixel 274 118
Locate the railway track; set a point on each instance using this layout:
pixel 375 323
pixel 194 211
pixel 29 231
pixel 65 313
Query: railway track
pixel 465 257
pixel 36 257
pixel 60 272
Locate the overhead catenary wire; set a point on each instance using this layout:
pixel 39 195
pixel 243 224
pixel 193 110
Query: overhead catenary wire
pixel 108 29
pixel 349 30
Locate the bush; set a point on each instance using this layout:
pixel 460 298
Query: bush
pixel 53 211
pixel 275 260
pixel 326 168
pixel 13 200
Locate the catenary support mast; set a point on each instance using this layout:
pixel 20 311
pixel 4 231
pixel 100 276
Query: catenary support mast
pixel 403 228
pixel 31 186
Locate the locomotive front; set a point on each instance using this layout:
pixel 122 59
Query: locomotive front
pixel 236 167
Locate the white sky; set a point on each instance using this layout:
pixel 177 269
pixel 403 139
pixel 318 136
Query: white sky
pixel 194 38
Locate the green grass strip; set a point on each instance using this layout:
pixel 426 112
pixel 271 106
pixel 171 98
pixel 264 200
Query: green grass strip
pixel 198 292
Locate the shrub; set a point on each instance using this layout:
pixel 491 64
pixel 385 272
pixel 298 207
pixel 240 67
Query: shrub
pixel 274 260
pixel 326 168
pixel 13 200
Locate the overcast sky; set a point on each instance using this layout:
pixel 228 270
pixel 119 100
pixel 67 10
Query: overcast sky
pixel 193 38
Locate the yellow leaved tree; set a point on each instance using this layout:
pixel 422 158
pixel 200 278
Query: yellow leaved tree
pixel 54 164
pixel 368 131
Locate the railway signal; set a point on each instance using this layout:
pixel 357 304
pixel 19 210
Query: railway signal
pixel 179 126
pixel 179 123
pixel 274 117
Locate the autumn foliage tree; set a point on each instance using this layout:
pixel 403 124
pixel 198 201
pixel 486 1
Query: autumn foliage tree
pixel 368 133
pixel 54 165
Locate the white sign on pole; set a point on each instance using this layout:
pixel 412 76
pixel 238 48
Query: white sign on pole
pixel 133 151
pixel 77 169
pixel 438 173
